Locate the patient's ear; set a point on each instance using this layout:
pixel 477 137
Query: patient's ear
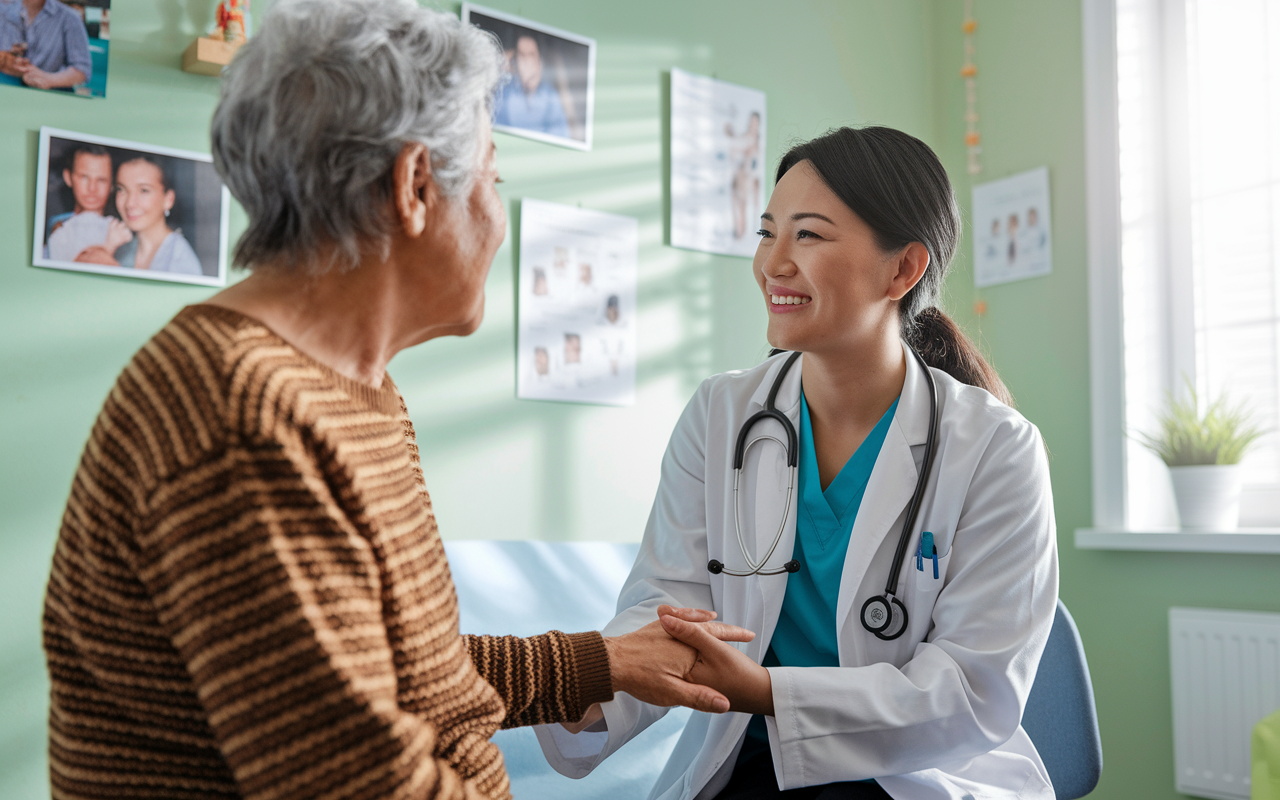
pixel 414 189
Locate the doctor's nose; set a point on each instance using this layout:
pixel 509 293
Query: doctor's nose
pixel 778 262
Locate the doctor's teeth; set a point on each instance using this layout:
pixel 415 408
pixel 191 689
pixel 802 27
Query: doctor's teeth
pixel 789 299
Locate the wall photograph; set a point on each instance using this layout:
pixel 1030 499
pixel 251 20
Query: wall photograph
pixel 134 210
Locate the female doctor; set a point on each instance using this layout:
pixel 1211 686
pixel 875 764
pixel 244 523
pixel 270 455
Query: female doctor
pixel 886 527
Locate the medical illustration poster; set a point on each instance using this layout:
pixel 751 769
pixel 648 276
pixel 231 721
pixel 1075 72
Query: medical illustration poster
pixel 717 165
pixel 549 88
pixel 1011 236
pixel 129 209
pixel 56 46
pixel 577 305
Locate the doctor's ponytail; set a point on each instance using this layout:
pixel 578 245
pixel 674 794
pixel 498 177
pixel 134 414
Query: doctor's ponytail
pixel 897 185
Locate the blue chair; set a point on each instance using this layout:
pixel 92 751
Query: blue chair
pixel 524 588
pixel 1060 716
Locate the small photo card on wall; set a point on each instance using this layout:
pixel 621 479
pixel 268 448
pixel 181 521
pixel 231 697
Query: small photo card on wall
pixel 548 91
pixel 64 47
pixel 717 165
pixel 1011 229
pixel 134 210
pixel 577 305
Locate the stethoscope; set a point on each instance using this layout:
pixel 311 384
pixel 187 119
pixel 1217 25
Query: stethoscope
pixel 883 615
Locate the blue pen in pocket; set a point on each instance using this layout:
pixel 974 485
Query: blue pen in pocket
pixel 926 550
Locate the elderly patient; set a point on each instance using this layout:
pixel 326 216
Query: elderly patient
pixel 249 596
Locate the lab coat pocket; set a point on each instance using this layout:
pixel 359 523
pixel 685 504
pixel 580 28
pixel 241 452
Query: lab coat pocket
pixel 928 565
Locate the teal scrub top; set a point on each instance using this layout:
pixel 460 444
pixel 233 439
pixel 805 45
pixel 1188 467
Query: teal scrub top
pixel 806 632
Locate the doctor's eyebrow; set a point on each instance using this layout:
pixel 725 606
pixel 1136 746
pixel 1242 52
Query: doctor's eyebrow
pixel 801 215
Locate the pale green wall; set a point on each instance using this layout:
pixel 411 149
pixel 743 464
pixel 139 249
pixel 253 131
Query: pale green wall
pixel 561 471
pixel 1030 97
pixel 578 472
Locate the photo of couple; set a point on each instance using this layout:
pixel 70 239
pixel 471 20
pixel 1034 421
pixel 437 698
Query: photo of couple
pixel 127 209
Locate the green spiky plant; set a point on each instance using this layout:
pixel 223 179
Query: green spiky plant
pixel 1186 438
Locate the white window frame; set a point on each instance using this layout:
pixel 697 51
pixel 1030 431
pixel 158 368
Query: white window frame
pixel 1106 351
pixel 1115 523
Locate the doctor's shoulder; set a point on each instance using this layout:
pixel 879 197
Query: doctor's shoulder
pixel 720 403
pixel 744 380
pixel 975 414
pixel 735 387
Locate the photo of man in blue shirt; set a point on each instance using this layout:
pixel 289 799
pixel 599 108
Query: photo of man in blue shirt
pixel 528 100
pixel 548 90
pixel 44 44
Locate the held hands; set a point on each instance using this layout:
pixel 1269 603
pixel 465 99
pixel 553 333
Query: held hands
pixel 720 666
pixel 655 667
pixel 684 659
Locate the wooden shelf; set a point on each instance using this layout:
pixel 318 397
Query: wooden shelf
pixel 1261 541
pixel 208 56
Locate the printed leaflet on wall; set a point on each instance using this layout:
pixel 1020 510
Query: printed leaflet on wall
pixel 577 327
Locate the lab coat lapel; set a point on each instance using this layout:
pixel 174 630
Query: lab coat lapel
pixel 889 489
pixel 772 478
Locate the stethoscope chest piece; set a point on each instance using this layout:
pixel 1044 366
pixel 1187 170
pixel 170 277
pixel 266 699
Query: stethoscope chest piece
pixel 885 616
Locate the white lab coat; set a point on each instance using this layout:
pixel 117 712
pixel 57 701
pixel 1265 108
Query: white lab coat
pixel 934 714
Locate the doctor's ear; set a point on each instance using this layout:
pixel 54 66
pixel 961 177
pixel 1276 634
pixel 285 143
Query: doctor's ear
pixel 910 264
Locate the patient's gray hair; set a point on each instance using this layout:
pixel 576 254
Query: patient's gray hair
pixel 317 106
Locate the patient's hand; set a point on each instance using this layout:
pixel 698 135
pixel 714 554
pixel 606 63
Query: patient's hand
pixel 720 666
pixel 652 666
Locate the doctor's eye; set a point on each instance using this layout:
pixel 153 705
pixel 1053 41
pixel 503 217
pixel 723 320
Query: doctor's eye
pixel 764 234
pixel 803 234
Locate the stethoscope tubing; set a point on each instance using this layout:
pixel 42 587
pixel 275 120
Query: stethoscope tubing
pixel 741 447
pixel 917 497
pixel 887 601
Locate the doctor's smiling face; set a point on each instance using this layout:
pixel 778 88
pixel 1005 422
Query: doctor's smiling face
pixel 826 281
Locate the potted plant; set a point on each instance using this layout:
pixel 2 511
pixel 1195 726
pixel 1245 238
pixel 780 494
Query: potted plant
pixel 1203 453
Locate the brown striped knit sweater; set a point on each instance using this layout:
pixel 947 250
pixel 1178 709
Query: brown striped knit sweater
pixel 249 596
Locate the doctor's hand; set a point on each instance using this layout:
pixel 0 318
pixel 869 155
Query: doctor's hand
pixel 721 666
pixel 653 667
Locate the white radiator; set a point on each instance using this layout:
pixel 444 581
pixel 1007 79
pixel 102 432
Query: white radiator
pixel 1226 676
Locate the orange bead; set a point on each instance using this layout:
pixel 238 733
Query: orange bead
pixel 972 139
pixel 968 71
pixel 970 25
pixel 980 307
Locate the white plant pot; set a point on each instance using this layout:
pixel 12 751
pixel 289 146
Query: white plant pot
pixel 1208 496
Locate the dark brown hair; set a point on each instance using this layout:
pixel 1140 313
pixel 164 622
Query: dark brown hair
pixel 897 185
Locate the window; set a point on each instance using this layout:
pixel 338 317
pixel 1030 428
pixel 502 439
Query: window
pixel 1184 154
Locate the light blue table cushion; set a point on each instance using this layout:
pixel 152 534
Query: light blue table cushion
pixel 527 588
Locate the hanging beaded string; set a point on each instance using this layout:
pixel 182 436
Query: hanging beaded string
pixel 972 139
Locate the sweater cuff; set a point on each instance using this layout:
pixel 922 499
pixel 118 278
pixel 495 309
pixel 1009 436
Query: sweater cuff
pixel 595 681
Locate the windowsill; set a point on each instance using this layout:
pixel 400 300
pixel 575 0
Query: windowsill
pixel 1243 540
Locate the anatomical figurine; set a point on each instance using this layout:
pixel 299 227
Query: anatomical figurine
pixel 231 28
